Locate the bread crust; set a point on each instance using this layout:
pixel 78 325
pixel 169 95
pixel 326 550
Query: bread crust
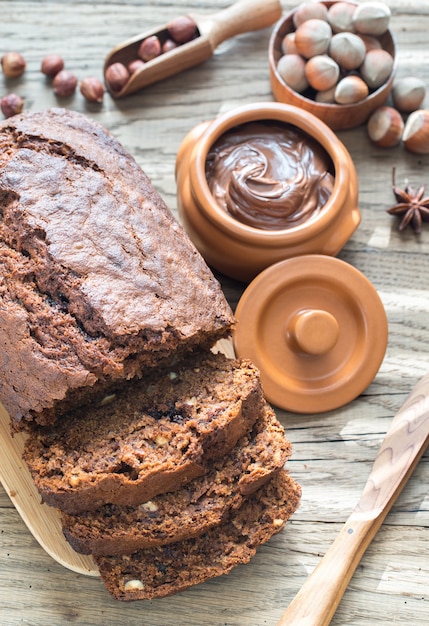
pixel 98 280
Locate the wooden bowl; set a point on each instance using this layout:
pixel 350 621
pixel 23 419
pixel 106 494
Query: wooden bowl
pixel 336 116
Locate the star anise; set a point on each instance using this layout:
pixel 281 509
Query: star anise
pixel 412 207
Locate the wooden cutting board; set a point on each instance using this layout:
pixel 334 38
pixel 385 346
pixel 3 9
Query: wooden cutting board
pixel 43 521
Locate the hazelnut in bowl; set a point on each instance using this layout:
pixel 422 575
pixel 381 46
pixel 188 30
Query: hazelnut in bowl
pixel 336 60
pixel 262 183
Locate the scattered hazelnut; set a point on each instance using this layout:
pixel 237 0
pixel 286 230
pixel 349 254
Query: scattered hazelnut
pixel 351 89
pixel 169 44
pixel 149 48
pixel 408 93
pixel 117 76
pixel 322 72
pixel 11 104
pixel 385 127
pixel 13 64
pixel 92 89
pixel 312 37
pixel 340 17
pixel 135 65
pixel 64 84
pixel 51 65
pixel 348 50
pixel 376 68
pixel 291 68
pixel 309 10
pixel 416 132
pixel 372 18
pixel 182 29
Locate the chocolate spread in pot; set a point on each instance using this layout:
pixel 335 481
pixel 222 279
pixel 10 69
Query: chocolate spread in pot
pixel 270 176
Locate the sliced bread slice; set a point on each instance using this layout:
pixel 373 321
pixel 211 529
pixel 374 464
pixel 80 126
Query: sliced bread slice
pixel 149 438
pixel 192 510
pixel 165 570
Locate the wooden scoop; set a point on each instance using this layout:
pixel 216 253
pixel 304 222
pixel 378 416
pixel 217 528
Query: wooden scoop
pixel 403 445
pixel 244 16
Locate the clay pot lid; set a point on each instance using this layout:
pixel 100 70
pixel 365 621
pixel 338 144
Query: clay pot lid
pixel 317 330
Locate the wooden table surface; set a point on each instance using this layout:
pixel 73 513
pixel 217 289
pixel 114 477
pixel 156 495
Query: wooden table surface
pixel 333 452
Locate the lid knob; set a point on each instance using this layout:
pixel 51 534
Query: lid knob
pixel 313 331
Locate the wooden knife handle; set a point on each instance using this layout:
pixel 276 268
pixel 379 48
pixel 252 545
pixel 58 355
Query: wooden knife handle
pixel 404 443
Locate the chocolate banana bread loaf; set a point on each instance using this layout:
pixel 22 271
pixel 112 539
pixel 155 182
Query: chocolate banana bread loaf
pixel 165 570
pixel 191 510
pixel 98 282
pixel 151 437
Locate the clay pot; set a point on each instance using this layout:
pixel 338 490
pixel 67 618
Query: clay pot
pixel 241 251
pixel 336 116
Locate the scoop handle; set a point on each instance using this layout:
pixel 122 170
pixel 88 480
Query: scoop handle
pixel 404 444
pixel 241 17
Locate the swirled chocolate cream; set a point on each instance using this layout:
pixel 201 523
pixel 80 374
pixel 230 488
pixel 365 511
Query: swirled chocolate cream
pixel 269 175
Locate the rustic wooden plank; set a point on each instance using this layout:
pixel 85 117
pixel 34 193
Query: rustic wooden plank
pixel 390 584
pixel 333 452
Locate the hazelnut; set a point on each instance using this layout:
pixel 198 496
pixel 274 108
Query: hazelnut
pixel 291 68
pixel 278 522
pixel 408 93
pixel 322 72
pixel 135 65
pixel 11 104
pixel 117 76
pixel 111 397
pixel 161 441
pixel 376 68
pixel 372 18
pixel 74 480
pixel 182 29
pixel 133 585
pixel 51 65
pixel 350 89
pixel 92 89
pixel 13 64
pixel 150 48
pixel 313 37
pixel 416 132
pixel 340 17
pixel 149 506
pixel 169 44
pixel 385 127
pixel 308 11
pixel 348 50
pixel 371 43
pixel 288 44
pixel 64 84
pixel 327 96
